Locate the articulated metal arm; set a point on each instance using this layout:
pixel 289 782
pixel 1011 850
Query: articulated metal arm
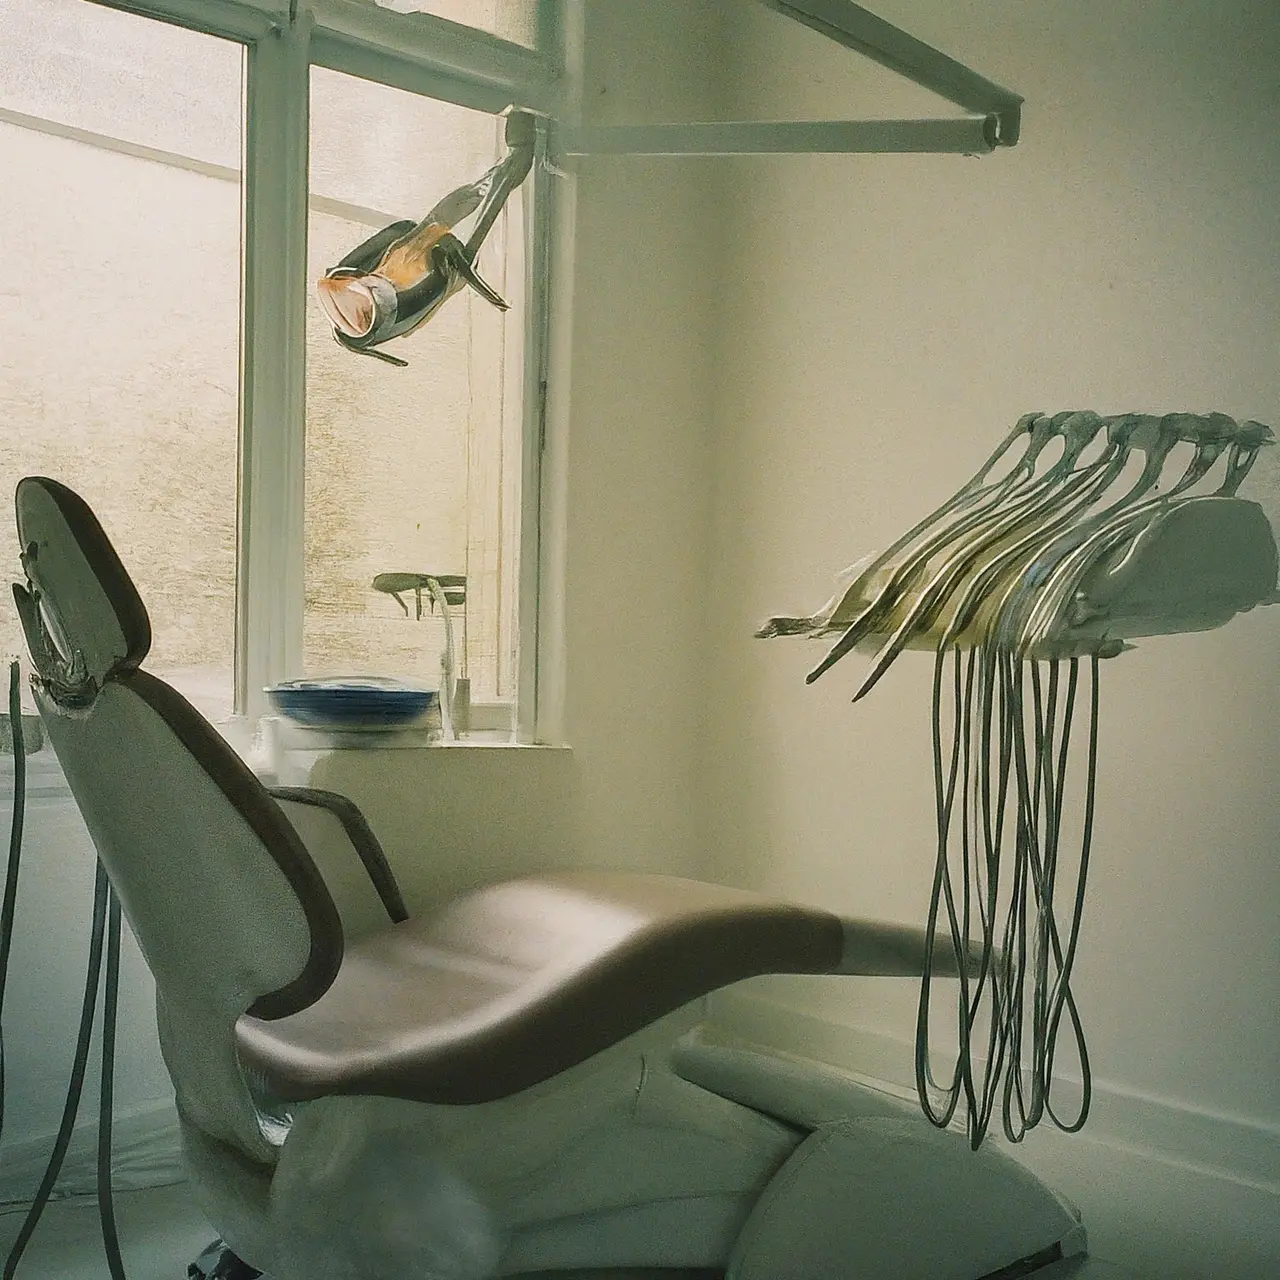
pixel 994 121
pixel 400 277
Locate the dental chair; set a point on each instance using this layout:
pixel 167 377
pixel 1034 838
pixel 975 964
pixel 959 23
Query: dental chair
pixel 508 1085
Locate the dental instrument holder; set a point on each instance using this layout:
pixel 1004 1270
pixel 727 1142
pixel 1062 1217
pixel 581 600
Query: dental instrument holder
pixel 1019 572
pixel 1130 588
pixel 1224 547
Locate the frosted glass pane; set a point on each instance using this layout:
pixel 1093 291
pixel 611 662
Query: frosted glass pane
pixel 514 20
pixel 114 73
pixel 119 351
pixel 410 470
pixel 393 152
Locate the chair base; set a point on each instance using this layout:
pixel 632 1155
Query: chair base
pixel 218 1262
pixel 689 1160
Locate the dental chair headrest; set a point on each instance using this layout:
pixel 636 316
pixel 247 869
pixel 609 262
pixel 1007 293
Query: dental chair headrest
pixel 88 620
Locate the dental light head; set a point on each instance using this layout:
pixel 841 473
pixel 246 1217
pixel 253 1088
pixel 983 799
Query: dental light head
pixel 395 281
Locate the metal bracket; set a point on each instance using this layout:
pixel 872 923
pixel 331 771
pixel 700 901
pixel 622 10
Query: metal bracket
pixel 995 120
pixel 856 28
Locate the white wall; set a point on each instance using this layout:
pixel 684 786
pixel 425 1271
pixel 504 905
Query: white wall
pixel 632 427
pixel 884 321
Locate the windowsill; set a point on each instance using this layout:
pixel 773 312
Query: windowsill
pixel 475 812
pixel 452 818
pixel 497 738
pixel 45 778
pixel 484 740
pixel 277 750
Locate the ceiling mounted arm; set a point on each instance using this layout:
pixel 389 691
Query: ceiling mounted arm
pixel 994 121
pixel 854 27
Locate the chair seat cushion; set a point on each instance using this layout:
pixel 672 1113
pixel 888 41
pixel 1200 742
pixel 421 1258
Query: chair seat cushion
pixel 518 981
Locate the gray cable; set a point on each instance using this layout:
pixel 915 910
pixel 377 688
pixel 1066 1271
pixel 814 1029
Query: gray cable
pixel 9 903
pixel 104 933
pixel 1005 760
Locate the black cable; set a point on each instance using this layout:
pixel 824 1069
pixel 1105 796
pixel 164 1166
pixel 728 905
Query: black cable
pixel 1061 997
pixel 991 708
pixel 1016 927
pixel 106 912
pixel 1007 754
pixel 110 999
pixel 967 1006
pixel 1045 1025
pixel 923 1064
pixel 76 1085
pixel 1043 799
pixel 1054 762
pixel 8 905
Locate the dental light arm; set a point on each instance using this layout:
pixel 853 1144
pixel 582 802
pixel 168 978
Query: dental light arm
pixel 400 277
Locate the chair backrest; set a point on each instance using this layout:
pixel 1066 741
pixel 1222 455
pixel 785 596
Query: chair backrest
pixel 227 906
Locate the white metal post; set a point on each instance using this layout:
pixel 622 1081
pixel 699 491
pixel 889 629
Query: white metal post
pixel 529 605
pixel 273 363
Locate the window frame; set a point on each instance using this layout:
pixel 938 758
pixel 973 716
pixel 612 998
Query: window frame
pixel 421 54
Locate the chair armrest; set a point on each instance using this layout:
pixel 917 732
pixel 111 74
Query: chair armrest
pixel 362 840
pixel 880 949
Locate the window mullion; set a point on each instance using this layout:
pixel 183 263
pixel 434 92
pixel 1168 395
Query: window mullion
pixel 271 518
pixel 422 53
pixel 230 19
pixel 541 597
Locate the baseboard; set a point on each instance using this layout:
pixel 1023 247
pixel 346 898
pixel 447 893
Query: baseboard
pixel 146 1152
pixel 1202 1142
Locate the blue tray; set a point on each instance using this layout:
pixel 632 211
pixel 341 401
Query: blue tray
pixel 352 702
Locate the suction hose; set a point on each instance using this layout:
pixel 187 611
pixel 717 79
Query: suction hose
pixel 104 935
pixel 9 902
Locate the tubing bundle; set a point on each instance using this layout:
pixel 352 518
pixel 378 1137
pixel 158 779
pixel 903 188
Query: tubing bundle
pixel 1021 582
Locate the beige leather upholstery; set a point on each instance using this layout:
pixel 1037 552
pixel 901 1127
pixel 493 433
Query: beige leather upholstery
pixel 217 919
pixel 542 999
pixel 497 992
pixel 516 982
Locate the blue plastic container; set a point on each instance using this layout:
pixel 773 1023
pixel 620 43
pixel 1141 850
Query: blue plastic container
pixel 352 702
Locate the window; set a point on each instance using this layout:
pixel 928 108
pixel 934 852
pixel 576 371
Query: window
pixel 410 470
pixel 514 20
pixel 119 335
pixel 149 359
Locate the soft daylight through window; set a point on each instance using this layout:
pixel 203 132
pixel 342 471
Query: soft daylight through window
pixel 514 20
pixel 119 315
pixel 411 470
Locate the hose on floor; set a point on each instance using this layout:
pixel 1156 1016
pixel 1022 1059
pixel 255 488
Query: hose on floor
pixel 104 938
pixel 9 902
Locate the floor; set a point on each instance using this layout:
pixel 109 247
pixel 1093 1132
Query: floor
pixel 161 1231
